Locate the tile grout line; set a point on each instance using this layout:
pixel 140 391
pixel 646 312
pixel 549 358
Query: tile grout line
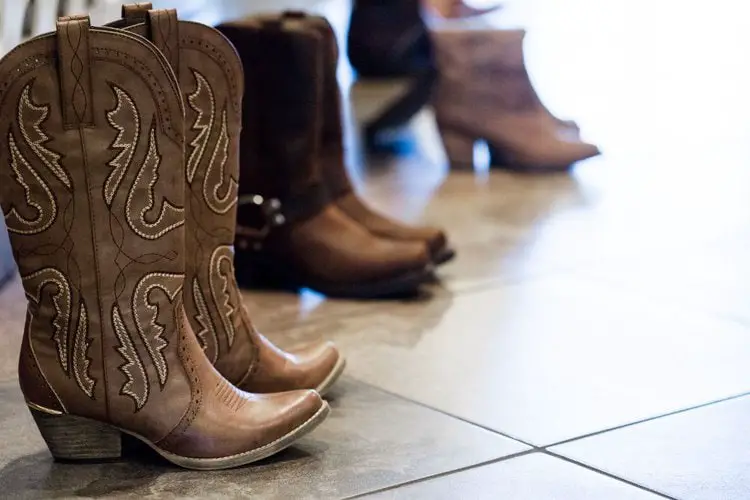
pixel 606 474
pixel 649 419
pixel 445 413
pixel 443 474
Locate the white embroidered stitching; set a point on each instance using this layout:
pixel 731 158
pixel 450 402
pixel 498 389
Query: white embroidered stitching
pixel 146 179
pixel 44 219
pixel 148 328
pixel 211 192
pixel 51 159
pixel 226 309
pixel 61 300
pixel 125 119
pixel 81 360
pixel 198 144
pixel 203 318
pixel 129 354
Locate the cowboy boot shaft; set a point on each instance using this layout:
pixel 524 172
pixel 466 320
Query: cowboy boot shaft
pixel 332 138
pixel 93 205
pixel 210 75
pixel 281 130
pixel 211 78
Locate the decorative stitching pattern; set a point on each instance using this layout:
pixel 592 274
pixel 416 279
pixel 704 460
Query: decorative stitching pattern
pixel 34 284
pixel 211 187
pixel 136 385
pixel 25 175
pixel 31 113
pixel 127 60
pixel 148 327
pixel 75 71
pixel 204 320
pixel 196 393
pixel 170 216
pixel 125 119
pixel 220 286
pixel 215 49
pixel 81 360
pixel 202 93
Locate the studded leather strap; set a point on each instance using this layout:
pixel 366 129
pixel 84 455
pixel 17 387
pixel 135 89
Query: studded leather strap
pixel 74 68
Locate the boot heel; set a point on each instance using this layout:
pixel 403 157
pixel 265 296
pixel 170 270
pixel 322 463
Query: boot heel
pixel 76 438
pixel 459 148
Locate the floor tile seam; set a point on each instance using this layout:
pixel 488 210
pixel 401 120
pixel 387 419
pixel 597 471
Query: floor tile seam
pixel 607 474
pixel 447 414
pixel 438 475
pixel 647 420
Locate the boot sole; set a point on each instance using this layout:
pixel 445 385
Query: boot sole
pixel 72 438
pixel 332 377
pixel 262 272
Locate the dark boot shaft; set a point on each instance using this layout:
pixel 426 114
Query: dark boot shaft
pixel 282 121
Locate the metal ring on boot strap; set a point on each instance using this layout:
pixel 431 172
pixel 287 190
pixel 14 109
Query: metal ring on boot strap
pixel 275 213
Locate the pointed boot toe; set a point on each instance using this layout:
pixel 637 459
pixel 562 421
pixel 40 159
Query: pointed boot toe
pixel 385 227
pixel 314 366
pixel 323 364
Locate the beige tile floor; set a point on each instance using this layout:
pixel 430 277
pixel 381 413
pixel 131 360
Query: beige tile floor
pixel 592 339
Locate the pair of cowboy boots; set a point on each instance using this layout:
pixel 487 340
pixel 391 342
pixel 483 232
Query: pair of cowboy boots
pixel 119 188
pixel 484 93
pixel 300 223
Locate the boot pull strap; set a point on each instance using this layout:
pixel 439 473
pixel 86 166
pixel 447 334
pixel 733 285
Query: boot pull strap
pixel 162 27
pixel 136 11
pixel 164 32
pixel 74 69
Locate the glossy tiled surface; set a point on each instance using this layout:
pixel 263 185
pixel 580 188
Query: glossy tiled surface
pixel 531 476
pixel 358 448
pixel 699 454
pixel 585 309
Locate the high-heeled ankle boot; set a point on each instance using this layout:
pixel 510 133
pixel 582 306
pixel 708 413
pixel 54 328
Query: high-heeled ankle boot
pixel 290 233
pixel 484 92
pixel 92 185
pixel 333 167
pixel 210 76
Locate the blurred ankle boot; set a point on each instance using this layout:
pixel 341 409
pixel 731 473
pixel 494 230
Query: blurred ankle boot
pixel 484 92
pixel 333 167
pixel 290 232
pixel 210 75
pixel 92 186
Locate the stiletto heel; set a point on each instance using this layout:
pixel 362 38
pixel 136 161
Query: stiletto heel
pixel 459 148
pixel 76 438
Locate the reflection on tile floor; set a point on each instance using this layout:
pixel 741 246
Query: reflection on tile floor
pixel 583 309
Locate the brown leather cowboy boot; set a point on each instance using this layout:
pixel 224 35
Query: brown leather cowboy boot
pixel 92 187
pixel 210 76
pixel 289 232
pixel 484 92
pixel 334 170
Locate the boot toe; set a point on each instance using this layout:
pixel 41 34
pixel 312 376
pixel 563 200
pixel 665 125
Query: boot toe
pixel 322 363
pixel 406 257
